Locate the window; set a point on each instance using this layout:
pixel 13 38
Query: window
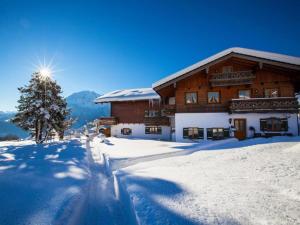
pixel 153 130
pixel 191 98
pixel 273 124
pixel 172 101
pixel 271 92
pixel 152 113
pixel 227 69
pixel 217 133
pixel 126 131
pixel 193 133
pixel 244 94
pixel 213 97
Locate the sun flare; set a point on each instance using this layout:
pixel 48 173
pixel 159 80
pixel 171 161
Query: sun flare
pixel 45 69
pixel 45 72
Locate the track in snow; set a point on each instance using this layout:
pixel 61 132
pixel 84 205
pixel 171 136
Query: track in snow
pixel 97 204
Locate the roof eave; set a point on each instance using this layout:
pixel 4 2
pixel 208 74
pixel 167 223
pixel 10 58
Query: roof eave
pixel 160 84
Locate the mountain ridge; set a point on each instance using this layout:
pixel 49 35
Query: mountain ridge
pixel 82 108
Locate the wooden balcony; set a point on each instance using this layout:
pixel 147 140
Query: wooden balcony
pixel 157 121
pixel 232 78
pixel 201 108
pixel 258 105
pixel 108 121
pixel 169 110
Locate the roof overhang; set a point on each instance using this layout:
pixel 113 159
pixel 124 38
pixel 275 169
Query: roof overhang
pixel 288 62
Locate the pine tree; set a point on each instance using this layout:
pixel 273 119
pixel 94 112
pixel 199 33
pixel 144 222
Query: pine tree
pixel 41 108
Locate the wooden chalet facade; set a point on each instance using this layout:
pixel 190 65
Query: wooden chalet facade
pixel 135 113
pixel 238 92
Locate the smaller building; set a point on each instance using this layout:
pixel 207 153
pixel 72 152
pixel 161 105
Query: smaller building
pixel 135 113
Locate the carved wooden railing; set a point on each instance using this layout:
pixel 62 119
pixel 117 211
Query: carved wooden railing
pixel 169 110
pixel 108 121
pixel 232 78
pixel 157 121
pixel 280 104
pixel 201 108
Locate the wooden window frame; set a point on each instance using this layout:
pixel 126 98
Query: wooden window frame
pixel 284 124
pixel 158 130
pixel 226 133
pixel 185 97
pixel 231 69
pixel 200 131
pixel 126 128
pixel 219 102
pixel 271 88
pixel 147 113
pixel 238 93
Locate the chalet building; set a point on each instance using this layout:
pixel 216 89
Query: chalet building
pixel 237 92
pixel 134 113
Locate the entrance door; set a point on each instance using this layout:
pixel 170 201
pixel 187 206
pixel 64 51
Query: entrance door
pixel 240 126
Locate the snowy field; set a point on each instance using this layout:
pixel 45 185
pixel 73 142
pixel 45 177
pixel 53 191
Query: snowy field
pixel 154 182
pixel 229 182
pixel 56 183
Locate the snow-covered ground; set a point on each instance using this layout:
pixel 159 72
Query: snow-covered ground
pixel 229 182
pixel 56 183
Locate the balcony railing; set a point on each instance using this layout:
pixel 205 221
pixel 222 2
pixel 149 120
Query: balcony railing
pixel 157 121
pixel 169 110
pixel 201 108
pixel 232 78
pixel 108 121
pixel 280 104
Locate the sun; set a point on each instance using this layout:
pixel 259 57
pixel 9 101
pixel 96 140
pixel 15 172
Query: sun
pixel 45 72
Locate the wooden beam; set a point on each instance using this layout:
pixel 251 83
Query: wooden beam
pixel 207 70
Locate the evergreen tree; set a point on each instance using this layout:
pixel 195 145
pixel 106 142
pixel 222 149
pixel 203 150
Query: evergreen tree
pixel 41 108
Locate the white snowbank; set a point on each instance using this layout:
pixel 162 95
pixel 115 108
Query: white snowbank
pixel 249 182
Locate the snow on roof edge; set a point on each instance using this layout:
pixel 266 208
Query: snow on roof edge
pixel 137 94
pixel 243 51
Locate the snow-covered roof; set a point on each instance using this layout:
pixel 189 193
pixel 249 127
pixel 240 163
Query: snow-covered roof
pixel 128 95
pixel 240 51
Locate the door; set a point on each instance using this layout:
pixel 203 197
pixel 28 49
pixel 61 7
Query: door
pixel 240 126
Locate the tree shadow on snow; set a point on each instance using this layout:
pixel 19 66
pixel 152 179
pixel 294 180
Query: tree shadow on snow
pixel 32 175
pixel 149 195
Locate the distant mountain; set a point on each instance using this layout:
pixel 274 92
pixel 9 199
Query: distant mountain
pixel 6 127
pixel 84 109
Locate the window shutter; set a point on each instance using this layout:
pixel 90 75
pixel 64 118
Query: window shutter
pixel 159 130
pixel 185 132
pixel 226 132
pixel 200 133
pixel 263 124
pixel 209 133
pixel 284 125
pixel 147 130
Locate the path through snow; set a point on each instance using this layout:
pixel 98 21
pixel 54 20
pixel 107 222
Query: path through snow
pixel 57 183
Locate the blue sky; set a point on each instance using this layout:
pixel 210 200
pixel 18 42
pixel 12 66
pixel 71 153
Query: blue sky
pixel 108 45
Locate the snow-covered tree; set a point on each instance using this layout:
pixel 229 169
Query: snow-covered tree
pixel 41 108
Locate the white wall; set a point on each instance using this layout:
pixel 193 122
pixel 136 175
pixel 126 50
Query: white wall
pixel 138 131
pixel 210 120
